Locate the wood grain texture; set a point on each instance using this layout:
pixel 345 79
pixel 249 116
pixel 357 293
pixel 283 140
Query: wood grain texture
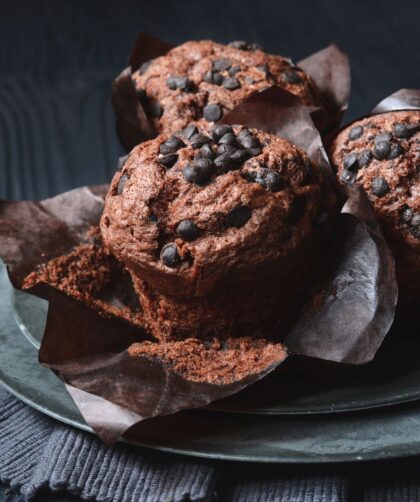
pixel 57 61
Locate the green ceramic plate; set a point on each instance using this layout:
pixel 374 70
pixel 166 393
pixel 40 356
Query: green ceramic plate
pixel 260 438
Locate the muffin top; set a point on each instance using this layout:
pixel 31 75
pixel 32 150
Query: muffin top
pixel 382 153
pixel 201 81
pixel 188 209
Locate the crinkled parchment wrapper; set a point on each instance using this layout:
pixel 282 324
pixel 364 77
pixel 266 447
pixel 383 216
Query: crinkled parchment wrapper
pixel 349 309
pixel 328 68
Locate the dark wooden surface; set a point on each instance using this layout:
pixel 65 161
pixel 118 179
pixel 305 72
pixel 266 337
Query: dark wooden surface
pixel 58 58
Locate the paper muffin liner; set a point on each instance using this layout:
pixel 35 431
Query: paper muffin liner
pixel 92 337
pixel 329 69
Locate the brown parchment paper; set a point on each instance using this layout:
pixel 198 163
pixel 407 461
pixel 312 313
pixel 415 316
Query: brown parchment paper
pixel 328 68
pixel 88 345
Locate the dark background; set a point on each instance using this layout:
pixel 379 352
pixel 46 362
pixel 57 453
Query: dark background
pixel 58 58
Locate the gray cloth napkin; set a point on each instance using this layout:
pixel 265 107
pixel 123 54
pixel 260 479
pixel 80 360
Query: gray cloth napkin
pixel 39 455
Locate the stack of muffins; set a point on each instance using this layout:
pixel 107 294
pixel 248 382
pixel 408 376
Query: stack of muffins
pixel 220 226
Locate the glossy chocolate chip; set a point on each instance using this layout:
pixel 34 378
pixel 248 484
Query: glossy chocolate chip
pixel 187 230
pixel 291 77
pixel 199 171
pixel 121 184
pixel 239 155
pixel 231 83
pixel 223 163
pixel 143 68
pixel 396 151
pixel 248 141
pixel 168 160
pixel 355 132
pixel 170 256
pixel 234 70
pixel 239 44
pixel 206 152
pixel 212 112
pixel 238 216
pixel 385 136
pixel 171 145
pixel 364 157
pixel 181 83
pixel 401 131
pixel 351 162
pixel 220 130
pixel 382 149
pixel 121 162
pixel 348 176
pixel 221 64
pixel 415 220
pixel 221 149
pixel 253 152
pixel 228 139
pixel 189 131
pixel 212 77
pixel 407 214
pixel 379 186
pixel 198 140
pixel 273 181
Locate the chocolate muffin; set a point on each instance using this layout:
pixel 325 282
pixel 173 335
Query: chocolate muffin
pixel 201 81
pixel 219 230
pixel 382 153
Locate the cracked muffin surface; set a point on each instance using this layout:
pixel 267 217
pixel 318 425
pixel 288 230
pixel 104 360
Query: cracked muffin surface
pixel 201 81
pixel 382 153
pixel 216 220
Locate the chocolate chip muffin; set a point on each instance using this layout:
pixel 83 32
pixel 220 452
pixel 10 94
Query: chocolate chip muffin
pixel 201 81
pixel 382 153
pixel 219 230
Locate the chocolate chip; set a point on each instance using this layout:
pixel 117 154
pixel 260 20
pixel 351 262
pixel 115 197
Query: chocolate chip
pixel 396 151
pixel 220 130
pixel 121 184
pixel 213 78
pixel 348 176
pixel 239 155
pixel 221 149
pixel 355 132
pixel 364 157
pixel 189 131
pixel 121 162
pixel 273 181
pixel 231 83
pixel 221 64
pixel 171 145
pixel 415 220
pixel 264 68
pixel 407 214
pixel 415 231
pixel 351 162
pixel 143 68
pixel 234 70
pixel 253 152
pixel 153 218
pixel 255 46
pixel 141 94
pixel 169 255
pixel 248 141
pixel 239 44
pixel 171 84
pixel 401 131
pixel 206 152
pixel 168 160
pixel 223 163
pixel 238 216
pixel 187 230
pixel 181 83
pixel 228 139
pixel 379 186
pixel 199 171
pixel 154 108
pixel 382 149
pixel 292 77
pixel 385 136
pixel 212 113
pixel 198 140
